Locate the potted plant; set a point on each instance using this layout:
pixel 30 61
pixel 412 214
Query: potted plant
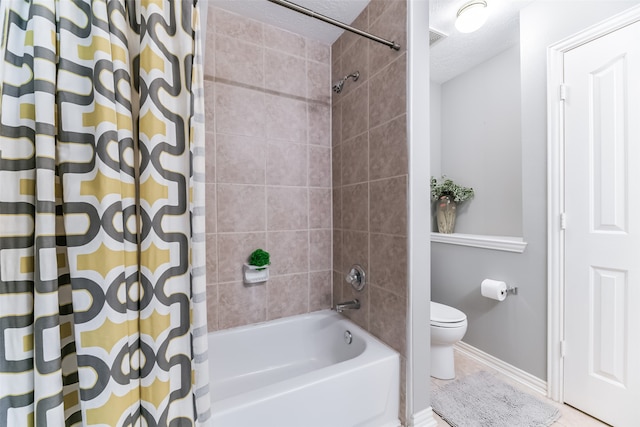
pixel 259 258
pixel 447 195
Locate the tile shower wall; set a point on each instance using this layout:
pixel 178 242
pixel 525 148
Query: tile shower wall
pixel 267 95
pixel 369 139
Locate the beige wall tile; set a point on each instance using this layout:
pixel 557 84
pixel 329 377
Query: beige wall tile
pixel 319 250
pixel 319 124
pixel 355 117
pixel 355 59
pixel 318 82
pixel 389 206
pixel 388 318
pixel 361 23
pixel 336 123
pixel 209 105
pixel 263 136
pixel 285 73
pixel 233 115
pixel 287 208
pixel 355 207
pixel 337 73
pixel 212 258
pixel 337 207
pixel 355 250
pixel 234 250
pixel 387 93
pixel 284 41
pixel 319 290
pixel 373 109
pixel 336 285
pixel 240 304
pixel 320 208
pixel 286 119
pixel 318 51
pixel 240 159
pixel 289 252
pixel 393 24
pixel 287 296
pixel 319 166
pixel 210 43
pixel 237 26
pixel 388 149
pixel 376 7
pixel 360 316
pixel 336 166
pixel 239 61
pixel 336 50
pixel 286 164
pixel 241 208
pixel 210 207
pixel 389 262
pixel 210 157
pixel 338 242
pixel 212 308
pixel 355 159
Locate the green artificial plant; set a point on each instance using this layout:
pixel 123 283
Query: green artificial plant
pixel 259 258
pixel 448 188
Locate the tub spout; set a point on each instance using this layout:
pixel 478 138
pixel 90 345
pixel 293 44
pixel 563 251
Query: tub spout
pixel 351 305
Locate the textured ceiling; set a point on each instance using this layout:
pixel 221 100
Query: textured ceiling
pixel 459 52
pixel 270 13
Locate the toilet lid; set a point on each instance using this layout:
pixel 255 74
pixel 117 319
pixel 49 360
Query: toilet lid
pixel 441 313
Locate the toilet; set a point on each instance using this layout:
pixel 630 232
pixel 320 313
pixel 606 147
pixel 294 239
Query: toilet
pixel 448 326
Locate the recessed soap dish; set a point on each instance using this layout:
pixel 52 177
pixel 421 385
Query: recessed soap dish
pixel 255 274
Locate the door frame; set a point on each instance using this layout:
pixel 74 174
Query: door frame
pixel 555 191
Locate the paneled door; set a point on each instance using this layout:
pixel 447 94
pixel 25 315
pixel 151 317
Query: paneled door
pixel 602 234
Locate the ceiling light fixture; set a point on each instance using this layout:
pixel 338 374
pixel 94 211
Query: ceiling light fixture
pixel 471 16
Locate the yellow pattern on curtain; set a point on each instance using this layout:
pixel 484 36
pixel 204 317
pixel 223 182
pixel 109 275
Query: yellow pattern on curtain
pixel 102 278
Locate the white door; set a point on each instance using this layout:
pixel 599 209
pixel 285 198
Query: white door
pixel 602 236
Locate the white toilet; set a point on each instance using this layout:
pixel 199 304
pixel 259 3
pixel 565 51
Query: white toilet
pixel 448 326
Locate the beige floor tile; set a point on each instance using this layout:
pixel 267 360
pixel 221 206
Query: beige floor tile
pixel 570 417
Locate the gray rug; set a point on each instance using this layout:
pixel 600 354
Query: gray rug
pixel 481 400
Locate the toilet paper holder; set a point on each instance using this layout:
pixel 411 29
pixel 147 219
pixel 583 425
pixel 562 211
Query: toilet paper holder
pixel 511 290
pixel 497 289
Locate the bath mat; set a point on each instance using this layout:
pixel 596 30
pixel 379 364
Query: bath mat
pixel 482 400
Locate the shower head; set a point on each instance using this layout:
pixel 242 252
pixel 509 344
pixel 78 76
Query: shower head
pixel 337 86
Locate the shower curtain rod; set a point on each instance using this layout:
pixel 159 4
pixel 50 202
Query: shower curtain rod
pixel 393 45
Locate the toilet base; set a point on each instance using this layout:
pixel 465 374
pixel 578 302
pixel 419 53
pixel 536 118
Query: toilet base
pixel 442 363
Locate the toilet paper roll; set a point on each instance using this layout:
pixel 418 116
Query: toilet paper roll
pixel 493 289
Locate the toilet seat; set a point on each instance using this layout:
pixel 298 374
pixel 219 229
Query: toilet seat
pixel 444 316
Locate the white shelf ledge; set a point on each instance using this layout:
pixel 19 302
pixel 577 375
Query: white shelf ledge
pixel 498 243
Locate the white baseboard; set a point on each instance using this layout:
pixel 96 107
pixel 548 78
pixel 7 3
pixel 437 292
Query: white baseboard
pixel 516 374
pixel 423 418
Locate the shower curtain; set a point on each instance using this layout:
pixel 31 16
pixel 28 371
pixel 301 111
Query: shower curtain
pixel 102 286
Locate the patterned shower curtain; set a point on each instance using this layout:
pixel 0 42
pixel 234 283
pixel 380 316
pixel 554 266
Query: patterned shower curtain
pixel 102 286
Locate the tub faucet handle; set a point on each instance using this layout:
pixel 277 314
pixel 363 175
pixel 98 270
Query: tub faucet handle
pixel 353 277
pixel 356 277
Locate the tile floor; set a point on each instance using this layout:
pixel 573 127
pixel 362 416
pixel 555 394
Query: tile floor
pixel 570 417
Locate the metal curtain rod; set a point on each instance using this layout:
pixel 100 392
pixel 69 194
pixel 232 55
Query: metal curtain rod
pixel 393 45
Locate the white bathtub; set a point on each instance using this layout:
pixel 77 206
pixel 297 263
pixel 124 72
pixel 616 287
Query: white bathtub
pixel 300 372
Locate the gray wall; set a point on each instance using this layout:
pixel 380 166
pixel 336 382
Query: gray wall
pixel 435 128
pixel 515 330
pixel 480 113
